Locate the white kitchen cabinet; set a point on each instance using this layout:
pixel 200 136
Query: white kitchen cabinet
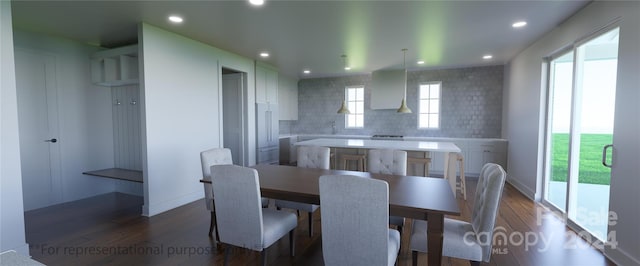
pixel 483 152
pixel 266 84
pixel 115 67
pixel 288 98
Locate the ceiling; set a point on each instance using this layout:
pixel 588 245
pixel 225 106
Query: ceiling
pixel 313 35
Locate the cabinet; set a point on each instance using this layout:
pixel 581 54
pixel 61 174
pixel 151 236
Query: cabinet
pixel 288 98
pixel 115 67
pixel 267 133
pixel 481 153
pixel 266 84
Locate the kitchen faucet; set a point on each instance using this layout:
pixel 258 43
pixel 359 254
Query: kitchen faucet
pixel 333 127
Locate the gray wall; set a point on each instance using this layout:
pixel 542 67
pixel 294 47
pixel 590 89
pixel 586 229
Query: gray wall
pixel 524 117
pixel 471 105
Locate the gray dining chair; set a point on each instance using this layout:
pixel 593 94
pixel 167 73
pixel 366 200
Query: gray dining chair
pixel 392 162
pixel 308 157
pixel 208 158
pixel 470 241
pixel 241 220
pixel 355 229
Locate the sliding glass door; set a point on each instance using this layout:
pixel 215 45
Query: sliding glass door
pixel 580 115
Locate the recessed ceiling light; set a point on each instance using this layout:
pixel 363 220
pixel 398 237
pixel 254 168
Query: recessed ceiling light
pixel 519 24
pixel 420 62
pixel 347 68
pixel 175 19
pixel 264 54
pixel 487 56
pixel 306 71
pixel 256 2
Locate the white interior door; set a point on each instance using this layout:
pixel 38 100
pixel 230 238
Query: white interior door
pixel 232 86
pixel 38 126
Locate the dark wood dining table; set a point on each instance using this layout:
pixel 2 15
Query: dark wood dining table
pixel 415 197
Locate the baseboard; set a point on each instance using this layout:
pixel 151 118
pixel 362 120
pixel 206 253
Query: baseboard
pixel 620 257
pixel 21 249
pixel 526 191
pixel 153 209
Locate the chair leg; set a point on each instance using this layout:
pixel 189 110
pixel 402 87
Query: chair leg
pixel 414 258
pixel 311 224
pixel 292 242
pixel 227 249
pixel 474 263
pixel 213 216
pixel 263 257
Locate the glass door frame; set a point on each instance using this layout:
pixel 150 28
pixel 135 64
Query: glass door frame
pixel 570 205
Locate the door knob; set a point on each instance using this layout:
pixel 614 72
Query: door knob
pixel 51 140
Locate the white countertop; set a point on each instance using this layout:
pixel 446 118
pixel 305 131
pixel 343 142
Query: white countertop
pixel 406 145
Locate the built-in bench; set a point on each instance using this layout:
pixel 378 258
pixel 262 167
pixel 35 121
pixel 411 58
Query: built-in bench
pixel 118 173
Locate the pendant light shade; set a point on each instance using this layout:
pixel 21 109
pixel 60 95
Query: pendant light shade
pixel 343 109
pixel 403 106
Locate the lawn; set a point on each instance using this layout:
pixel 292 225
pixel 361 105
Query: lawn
pixel 591 170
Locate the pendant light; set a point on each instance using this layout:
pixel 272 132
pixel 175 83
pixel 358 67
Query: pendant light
pixel 403 106
pixel 343 109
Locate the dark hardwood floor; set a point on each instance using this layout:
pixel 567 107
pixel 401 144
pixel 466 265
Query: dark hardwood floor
pixel 109 230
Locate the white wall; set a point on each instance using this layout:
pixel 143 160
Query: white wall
pixel 523 115
pixel 84 116
pixel 12 234
pixel 181 114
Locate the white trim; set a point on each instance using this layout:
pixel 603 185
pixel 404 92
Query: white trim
pixel 171 204
pixel 526 191
pixel 620 257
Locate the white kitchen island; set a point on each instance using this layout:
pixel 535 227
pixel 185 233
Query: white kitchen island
pixel 446 148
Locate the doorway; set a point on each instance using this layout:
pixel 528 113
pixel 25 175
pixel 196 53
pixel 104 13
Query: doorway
pixel 38 126
pixel 579 133
pixel 234 84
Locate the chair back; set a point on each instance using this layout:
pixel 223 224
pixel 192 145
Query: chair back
pixel 208 158
pixel 387 161
pixel 486 205
pixel 238 206
pixel 355 220
pixel 313 157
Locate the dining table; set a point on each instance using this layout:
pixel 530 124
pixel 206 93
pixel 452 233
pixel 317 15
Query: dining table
pixel 444 147
pixel 415 197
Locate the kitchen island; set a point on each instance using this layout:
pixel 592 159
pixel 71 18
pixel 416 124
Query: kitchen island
pixel 447 148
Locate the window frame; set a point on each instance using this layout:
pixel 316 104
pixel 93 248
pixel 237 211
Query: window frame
pixel 352 110
pixel 428 99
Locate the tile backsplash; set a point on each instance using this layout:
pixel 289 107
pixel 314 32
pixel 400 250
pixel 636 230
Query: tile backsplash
pixel 471 105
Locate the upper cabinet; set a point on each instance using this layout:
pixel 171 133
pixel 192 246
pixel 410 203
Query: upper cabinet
pixel 288 98
pixel 387 88
pixel 115 67
pixel 266 84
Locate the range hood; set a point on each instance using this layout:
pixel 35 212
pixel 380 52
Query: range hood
pixel 387 88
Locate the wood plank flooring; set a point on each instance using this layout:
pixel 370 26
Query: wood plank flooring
pixel 109 230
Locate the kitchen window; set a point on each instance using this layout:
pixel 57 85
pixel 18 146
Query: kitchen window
pixel 354 96
pixel 429 105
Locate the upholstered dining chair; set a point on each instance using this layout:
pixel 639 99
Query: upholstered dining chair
pixel 470 241
pixel 241 220
pixel 387 161
pixel 308 157
pixel 208 158
pixel 355 229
